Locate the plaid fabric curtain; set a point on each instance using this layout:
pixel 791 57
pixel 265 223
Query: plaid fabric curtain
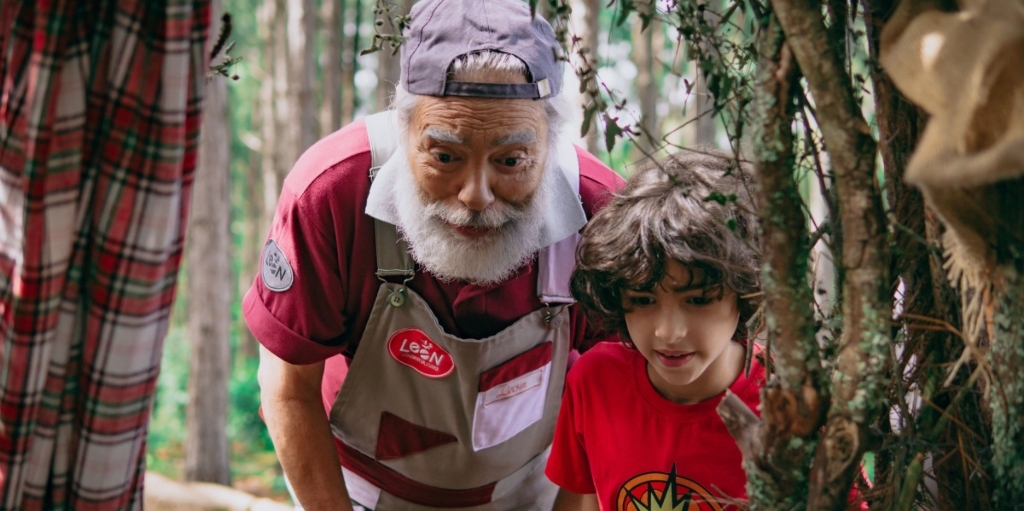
pixel 99 120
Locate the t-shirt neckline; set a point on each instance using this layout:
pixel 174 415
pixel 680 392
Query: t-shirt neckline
pixel 683 412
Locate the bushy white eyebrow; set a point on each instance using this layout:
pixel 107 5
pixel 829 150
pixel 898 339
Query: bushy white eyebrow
pixel 519 137
pixel 440 135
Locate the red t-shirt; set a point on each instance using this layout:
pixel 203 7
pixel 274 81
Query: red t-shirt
pixel 617 437
pixel 327 239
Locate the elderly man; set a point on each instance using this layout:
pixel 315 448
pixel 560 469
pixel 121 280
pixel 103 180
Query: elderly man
pixel 422 257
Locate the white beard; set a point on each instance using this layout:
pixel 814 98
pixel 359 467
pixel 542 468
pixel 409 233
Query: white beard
pixel 450 256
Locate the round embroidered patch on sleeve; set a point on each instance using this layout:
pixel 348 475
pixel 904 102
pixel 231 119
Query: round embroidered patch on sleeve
pixel 275 270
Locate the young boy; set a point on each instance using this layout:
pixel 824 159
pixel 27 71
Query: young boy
pixel 672 263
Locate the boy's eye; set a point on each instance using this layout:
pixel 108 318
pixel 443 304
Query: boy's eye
pixel 641 301
pixel 702 300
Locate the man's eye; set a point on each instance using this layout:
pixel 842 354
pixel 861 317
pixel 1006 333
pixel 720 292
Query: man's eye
pixel 510 161
pixel 443 157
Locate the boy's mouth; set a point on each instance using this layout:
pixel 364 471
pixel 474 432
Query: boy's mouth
pixel 671 358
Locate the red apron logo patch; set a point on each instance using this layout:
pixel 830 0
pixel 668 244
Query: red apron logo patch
pixel 412 347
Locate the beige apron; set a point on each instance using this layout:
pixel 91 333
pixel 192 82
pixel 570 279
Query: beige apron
pixel 427 420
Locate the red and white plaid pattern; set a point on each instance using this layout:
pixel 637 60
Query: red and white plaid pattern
pixel 99 121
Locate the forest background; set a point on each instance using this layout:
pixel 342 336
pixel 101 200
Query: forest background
pixel 271 113
pixel 296 74
pixel 895 322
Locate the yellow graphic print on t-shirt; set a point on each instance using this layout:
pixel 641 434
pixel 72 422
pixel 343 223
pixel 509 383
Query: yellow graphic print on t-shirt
pixel 658 491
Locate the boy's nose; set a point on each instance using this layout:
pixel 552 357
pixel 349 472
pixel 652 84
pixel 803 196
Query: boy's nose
pixel 670 328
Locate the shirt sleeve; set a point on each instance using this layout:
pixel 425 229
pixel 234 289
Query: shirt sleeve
pixel 294 307
pixel 568 465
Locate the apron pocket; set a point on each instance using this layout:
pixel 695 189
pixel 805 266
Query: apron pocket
pixel 511 397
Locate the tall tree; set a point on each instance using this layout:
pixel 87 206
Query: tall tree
pixel 388 60
pixel 267 26
pixel 286 118
pixel 301 70
pixel 334 20
pixel 349 59
pixel 252 214
pixel 209 290
pixel 646 81
pixel 703 104
pixel 586 23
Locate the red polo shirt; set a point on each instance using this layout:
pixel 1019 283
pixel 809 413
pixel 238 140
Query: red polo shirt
pixel 328 241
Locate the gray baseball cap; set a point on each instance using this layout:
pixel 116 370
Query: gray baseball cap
pixel 443 30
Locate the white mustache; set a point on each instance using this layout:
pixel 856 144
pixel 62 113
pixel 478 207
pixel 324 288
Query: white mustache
pixel 495 215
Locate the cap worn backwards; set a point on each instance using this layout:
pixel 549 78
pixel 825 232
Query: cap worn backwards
pixel 444 30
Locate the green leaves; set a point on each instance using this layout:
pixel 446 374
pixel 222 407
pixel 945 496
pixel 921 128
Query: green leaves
pixel 398 22
pixel 720 198
pixel 222 45
pixel 588 116
pixel 612 131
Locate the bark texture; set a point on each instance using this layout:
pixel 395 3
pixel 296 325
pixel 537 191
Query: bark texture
pixel 861 376
pixel 209 293
pixel 928 301
pixel 646 86
pixel 388 69
pixel 286 133
pixel 349 64
pixel 334 36
pixel 778 452
pixel 301 69
pixel 1006 355
pixel 586 23
pixel 703 101
pixel 793 402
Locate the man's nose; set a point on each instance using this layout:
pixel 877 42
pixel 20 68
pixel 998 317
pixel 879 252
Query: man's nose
pixel 476 191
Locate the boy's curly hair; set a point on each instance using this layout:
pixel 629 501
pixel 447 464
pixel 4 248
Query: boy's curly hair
pixel 694 208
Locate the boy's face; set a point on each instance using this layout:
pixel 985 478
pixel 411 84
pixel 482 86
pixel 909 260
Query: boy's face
pixel 684 330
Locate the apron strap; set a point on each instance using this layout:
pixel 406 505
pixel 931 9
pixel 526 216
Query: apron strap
pixel 393 259
pixel 556 262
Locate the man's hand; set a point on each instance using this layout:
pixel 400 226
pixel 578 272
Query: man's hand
pixel 295 417
pixel 569 501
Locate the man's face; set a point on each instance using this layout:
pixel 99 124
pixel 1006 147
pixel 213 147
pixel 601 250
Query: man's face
pixel 472 154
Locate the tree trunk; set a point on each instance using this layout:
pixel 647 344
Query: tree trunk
pixel 703 101
pixel 209 293
pixel 704 127
pixel 334 37
pixel 301 69
pixel 388 69
pixel 587 24
pixel 1006 355
pixel 252 226
pixel 646 86
pixel 267 27
pixel 927 294
pixel 861 376
pixel 349 60
pixel 286 118
pixel 794 401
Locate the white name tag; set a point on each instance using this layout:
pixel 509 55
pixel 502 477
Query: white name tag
pixel 513 388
